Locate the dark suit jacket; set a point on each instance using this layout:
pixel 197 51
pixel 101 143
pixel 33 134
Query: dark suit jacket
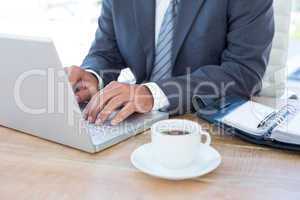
pixel 221 47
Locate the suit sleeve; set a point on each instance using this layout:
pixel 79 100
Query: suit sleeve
pixel 249 42
pixel 104 56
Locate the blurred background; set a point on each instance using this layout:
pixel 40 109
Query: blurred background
pixel 294 51
pixel 72 24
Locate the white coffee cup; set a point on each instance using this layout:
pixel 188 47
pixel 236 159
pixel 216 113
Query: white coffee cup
pixel 177 151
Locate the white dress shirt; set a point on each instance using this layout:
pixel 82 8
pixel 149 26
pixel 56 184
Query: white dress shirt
pixel 160 99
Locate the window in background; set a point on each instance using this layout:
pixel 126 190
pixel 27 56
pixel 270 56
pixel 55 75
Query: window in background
pixel 70 23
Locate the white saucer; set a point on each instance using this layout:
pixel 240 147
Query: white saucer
pixel 208 160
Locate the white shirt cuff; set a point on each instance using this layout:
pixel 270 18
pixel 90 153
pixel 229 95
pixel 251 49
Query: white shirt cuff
pixel 161 101
pixel 100 80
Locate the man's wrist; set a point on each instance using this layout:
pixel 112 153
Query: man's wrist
pixel 151 98
pixel 100 80
pixel 160 100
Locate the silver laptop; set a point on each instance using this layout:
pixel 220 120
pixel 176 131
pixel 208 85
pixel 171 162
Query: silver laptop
pixel 36 98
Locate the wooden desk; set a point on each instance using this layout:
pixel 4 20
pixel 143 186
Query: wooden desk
pixel 32 168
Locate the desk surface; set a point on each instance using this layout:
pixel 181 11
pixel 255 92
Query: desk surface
pixel 32 168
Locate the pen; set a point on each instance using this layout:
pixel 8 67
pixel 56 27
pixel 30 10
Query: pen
pixel 263 122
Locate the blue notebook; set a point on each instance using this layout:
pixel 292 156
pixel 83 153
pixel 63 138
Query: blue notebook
pixel 255 122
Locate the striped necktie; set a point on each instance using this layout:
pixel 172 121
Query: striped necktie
pixel 163 51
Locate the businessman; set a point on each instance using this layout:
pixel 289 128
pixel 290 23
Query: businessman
pixel 176 49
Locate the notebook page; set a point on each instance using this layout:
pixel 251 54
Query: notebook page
pixel 247 117
pixel 290 128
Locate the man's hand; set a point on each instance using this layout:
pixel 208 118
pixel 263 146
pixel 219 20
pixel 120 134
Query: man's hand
pixel 130 98
pixel 85 85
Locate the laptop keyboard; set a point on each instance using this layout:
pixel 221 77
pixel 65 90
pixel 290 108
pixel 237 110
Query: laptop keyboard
pixel 102 133
pixel 106 132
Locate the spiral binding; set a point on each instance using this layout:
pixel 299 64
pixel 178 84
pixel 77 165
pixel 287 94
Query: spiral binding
pixel 278 118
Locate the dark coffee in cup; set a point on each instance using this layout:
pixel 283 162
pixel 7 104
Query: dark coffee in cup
pixel 176 132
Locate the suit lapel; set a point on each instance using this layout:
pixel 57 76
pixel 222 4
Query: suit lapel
pixel 188 11
pixel 144 12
